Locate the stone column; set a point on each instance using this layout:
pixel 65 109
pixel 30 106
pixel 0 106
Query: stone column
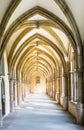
pixel 69 86
pixel 22 85
pixel 63 86
pixel 20 90
pixel 75 86
pixel 72 84
pixel 49 87
pixel 54 88
pixel 65 91
pixel 58 89
pixel 0 105
pixel 18 93
pixel 80 104
pixel 24 89
pixel 15 93
pixel 26 85
pixel 46 86
pixel 54 85
pixel 11 96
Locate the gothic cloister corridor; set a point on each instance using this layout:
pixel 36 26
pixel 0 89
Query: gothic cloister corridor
pixel 39 112
pixel 41 51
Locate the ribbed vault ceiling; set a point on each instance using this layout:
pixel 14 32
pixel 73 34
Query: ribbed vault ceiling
pixel 37 33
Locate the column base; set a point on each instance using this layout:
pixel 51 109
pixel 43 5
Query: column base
pixel 57 97
pixel 65 102
pixel 18 101
pixel 23 98
pixel 54 96
pixel 11 106
pixel 50 94
pixel 80 114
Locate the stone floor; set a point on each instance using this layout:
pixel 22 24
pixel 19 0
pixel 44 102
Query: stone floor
pixel 39 112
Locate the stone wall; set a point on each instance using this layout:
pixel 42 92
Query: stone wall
pixel 72 108
pixel 38 87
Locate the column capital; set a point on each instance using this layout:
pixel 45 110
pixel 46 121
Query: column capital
pixel 12 80
pixel 80 70
pixel 65 75
pixel 2 75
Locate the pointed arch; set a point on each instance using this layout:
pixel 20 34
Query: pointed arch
pixel 45 13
